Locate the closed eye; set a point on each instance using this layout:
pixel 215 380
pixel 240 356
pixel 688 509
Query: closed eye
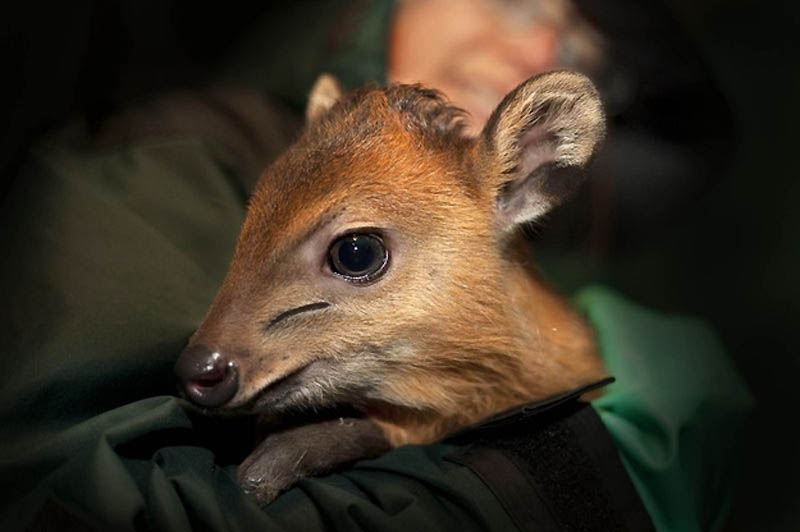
pixel 293 312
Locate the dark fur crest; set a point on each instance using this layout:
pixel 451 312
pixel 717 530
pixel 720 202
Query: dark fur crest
pixel 424 111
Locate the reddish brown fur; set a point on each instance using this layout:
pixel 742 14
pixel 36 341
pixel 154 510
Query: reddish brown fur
pixel 458 329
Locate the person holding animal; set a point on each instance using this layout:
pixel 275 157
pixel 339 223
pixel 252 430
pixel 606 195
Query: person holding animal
pixel 380 299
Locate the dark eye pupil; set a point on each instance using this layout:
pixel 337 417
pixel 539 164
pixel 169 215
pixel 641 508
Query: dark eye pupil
pixel 358 257
pixel 357 254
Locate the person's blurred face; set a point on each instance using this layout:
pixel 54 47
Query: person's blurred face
pixel 475 51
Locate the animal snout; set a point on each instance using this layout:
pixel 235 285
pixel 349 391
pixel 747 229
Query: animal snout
pixel 207 377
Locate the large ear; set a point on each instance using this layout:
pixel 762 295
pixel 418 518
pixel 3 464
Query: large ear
pixel 538 141
pixel 324 94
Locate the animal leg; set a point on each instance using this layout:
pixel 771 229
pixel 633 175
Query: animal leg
pixel 286 456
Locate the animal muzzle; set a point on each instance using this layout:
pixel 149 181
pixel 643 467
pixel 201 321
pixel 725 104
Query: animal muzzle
pixel 207 377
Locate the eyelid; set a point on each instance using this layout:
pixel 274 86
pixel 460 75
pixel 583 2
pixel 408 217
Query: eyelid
pixel 357 230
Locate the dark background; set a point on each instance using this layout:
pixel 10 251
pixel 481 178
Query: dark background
pixel 729 252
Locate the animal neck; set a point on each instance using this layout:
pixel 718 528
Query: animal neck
pixel 556 344
pixel 537 347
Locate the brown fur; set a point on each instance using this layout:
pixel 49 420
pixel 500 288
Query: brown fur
pixel 459 328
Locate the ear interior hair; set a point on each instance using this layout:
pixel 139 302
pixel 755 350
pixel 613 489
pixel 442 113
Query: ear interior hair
pixel 541 136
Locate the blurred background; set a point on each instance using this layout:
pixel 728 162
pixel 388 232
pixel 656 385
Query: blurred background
pixel 690 208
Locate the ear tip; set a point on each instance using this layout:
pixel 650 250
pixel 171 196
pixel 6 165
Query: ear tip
pixel 556 117
pixel 324 93
pixel 326 80
pixel 587 101
pixel 554 83
pixel 568 81
pixel 325 88
pixel 563 76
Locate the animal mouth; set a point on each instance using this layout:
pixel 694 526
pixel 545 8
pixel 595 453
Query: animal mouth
pixel 290 401
pixel 276 391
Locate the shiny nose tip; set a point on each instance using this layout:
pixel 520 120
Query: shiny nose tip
pixel 207 377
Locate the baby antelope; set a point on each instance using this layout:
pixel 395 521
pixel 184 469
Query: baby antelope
pixel 380 292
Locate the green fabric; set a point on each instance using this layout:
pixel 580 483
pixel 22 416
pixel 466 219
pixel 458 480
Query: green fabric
pixel 139 467
pixel 677 411
pixel 111 259
pixel 286 49
pixel 112 256
pixel 362 55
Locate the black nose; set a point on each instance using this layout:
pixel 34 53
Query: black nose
pixel 207 377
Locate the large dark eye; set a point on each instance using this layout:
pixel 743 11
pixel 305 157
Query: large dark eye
pixel 359 257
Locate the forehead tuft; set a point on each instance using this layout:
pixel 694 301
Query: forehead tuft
pixel 421 111
pixel 427 112
pixel 377 132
